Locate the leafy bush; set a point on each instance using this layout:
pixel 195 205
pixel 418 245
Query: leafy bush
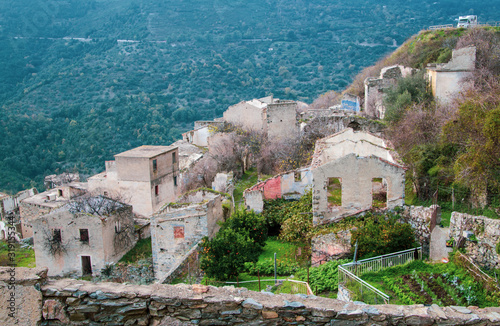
pixel 324 277
pixel 382 235
pixel 266 267
pixel 224 256
pixel 240 239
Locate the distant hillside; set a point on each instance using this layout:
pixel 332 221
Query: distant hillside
pixel 81 81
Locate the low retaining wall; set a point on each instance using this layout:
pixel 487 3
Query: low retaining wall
pixel 487 234
pixel 76 302
pixel 419 218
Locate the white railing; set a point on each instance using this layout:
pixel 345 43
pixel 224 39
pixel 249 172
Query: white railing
pixel 360 290
pixel 378 263
pixel 440 26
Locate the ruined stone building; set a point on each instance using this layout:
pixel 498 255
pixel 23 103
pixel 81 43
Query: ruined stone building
pixel 287 185
pixel 81 236
pixel 145 177
pixel 177 229
pixel 43 203
pixel 374 89
pixel 10 204
pixel 201 132
pixel 446 79
pixel 58 180
pixel 354 171
pixel 273 117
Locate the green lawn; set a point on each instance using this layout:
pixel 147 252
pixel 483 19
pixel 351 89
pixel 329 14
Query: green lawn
pixel 24 257
pixel 248 179
pixel 142 250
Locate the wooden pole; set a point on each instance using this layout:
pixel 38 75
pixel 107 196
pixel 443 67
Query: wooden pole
pixel 258 276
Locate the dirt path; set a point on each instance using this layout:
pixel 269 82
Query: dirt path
pixel 438 249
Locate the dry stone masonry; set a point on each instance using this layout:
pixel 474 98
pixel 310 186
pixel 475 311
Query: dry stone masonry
pixel 482 247
pixel 76 302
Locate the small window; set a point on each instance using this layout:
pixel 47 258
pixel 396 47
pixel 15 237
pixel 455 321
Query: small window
pixel 105 194
pixel 178 232
pixel 155 165
pixel 297 176
pixel 175 181
pixel 334 190
pixel 59 192
pixel 56 235
pixel 118 227
pixel 84 235
pixel 174 158
pixel 157 190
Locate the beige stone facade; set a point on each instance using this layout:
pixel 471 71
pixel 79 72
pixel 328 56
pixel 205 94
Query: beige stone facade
pixel 447 80
pixel 82 236
pixel 145 177
pixel 350 171
pixel 273 117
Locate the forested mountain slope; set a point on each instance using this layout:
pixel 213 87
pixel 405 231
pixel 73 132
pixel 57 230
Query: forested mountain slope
pixel 83 80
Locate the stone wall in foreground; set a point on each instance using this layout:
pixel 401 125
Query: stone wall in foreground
pixel 76 302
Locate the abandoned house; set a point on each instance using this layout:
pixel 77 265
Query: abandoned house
pixel 177 229
pixel 43 203
pixel 374 89
pixel 201 132
pixel 145 177
pixel 447 79
pixel 287 185
pixel 79 238
pixel 354 171
pixel 59 180
pixel 10 204
pixel 273 117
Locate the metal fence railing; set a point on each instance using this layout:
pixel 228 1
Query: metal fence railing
pixel 359 290
pixel 378 263
pixel 440 26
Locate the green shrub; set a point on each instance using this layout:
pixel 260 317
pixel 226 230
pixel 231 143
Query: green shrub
pixel 380 235
pixel 266 267
pixel 324 277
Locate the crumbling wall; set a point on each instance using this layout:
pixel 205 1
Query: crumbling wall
pixel 355 174
pixel 288 185
pixel 419 218
pixel 375 87
pixel 247 115
pixel 282 121
pixel 21 298
pixel 176 230
pixel 330 246
pixel 482 249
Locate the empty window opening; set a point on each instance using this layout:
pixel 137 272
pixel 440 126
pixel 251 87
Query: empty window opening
pixel 379 193
pixel 297 176
pixel 155 165
pixel 56 235
pixel 84 235
pixel 157 190
pixel 59 192
pixel 178 232
pixel 118 227
pixel 174 158
pixel 334 190
pixel 86 266
pixel 105 194
pixel 175 181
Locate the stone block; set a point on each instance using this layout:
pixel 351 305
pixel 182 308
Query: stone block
pixel 269 314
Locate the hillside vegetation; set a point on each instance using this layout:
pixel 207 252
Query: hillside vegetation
pixel 452 149
pixel 69 104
